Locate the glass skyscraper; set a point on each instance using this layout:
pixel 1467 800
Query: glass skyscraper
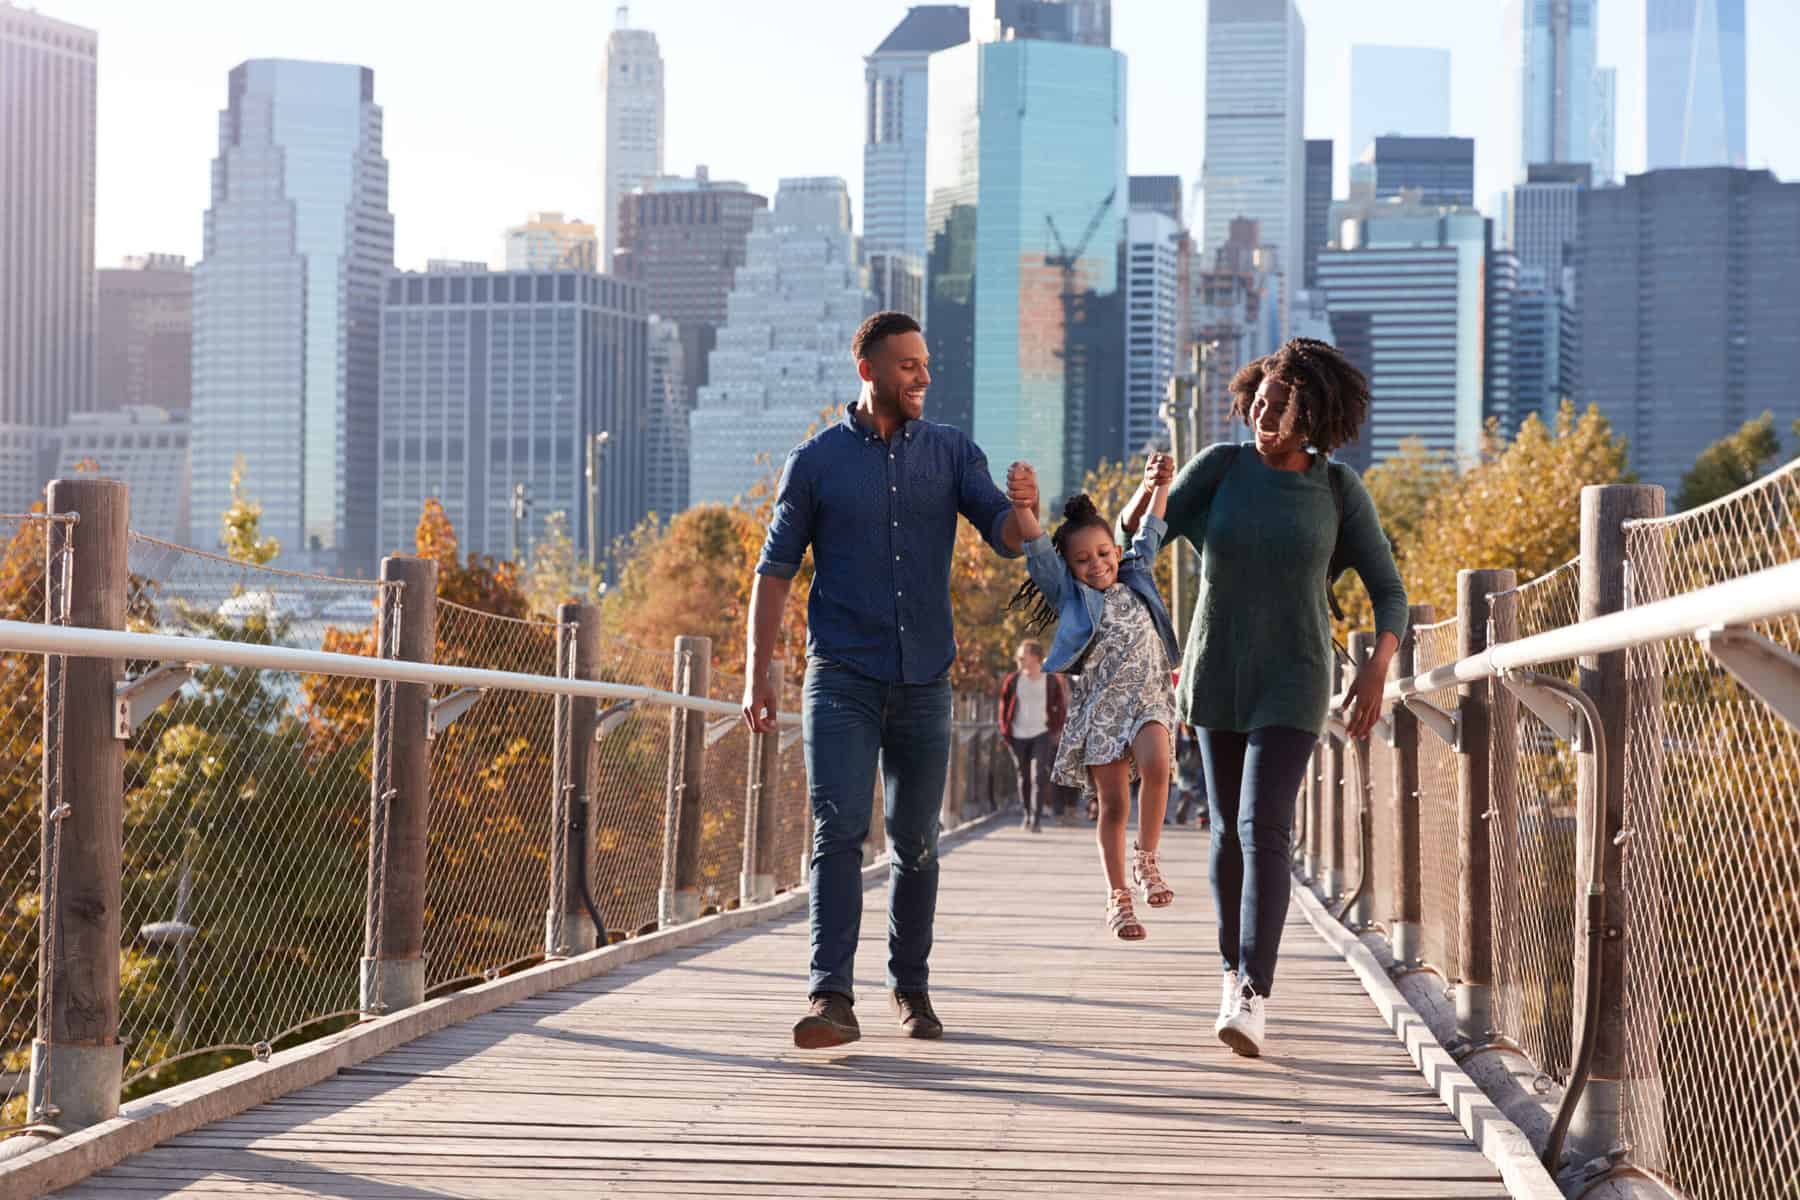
pixel 1552 49
pixel 494 380
pixel 1026 203
pixel 287 306
pixel 1694 76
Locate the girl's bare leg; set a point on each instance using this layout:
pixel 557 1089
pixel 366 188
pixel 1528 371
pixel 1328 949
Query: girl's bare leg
pixel 1151 749
pixel 1113 783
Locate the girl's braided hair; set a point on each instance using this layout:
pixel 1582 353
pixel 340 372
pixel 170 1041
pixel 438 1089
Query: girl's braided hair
pixel 1079 513
pixel 1330 394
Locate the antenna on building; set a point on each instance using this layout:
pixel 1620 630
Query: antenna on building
pixel 622 17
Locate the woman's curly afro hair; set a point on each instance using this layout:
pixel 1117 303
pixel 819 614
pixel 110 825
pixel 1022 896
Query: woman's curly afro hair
pixel 1331 396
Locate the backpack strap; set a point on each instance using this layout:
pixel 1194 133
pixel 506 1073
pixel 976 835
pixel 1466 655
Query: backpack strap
pixel 1333 569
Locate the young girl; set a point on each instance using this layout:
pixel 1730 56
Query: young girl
pixel 1113 633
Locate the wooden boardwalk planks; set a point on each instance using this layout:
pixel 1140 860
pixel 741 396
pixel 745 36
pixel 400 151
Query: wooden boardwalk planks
pixel 1074 1066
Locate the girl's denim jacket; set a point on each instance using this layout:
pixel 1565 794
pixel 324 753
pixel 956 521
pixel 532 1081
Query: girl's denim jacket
pixel 1079 606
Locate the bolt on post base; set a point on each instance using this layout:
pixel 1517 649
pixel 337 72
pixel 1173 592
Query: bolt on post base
pixel 677 907
pixel 391 984
pixel 75 1086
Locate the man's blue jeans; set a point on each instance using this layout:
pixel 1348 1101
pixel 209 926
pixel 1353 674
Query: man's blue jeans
pixel 851 725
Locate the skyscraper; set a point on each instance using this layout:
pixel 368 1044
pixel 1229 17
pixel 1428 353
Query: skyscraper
pixel 1689 310
pixel 1157 193
pixel 1603 136
pixel 1085 22
pixel 632 91
pixel 1543 361
pixel 1319 187
pixel 546 242
pixel 1546 216
pixel 683 239
pixel 47 77
pixel 1402 91
pixel 783 352
pixel 1499 388
pixel 666 433
pixel 146 449
pixel 146 335
pixel 1695 82
pixel 1027 197
pixel 1255 148
pixel 498 379
pixel 1551 47
pixel 1405 286
pixel 287 308
pixel 1440 169
pixel 1152 314
pixel 896 79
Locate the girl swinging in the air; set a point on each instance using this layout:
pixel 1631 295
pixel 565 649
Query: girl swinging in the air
pixel 1114 636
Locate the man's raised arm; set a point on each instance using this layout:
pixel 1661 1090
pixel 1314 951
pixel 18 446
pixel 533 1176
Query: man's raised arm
pixel 768 598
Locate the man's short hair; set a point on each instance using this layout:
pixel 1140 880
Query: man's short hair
pixel 872 332
pixel 1033 647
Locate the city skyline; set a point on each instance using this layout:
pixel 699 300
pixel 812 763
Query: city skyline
pixel 469 161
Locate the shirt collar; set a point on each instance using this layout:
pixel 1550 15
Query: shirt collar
pixel 864 432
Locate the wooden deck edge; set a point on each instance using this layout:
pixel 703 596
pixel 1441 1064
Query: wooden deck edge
pixel 186 1107
pixel 1501 1141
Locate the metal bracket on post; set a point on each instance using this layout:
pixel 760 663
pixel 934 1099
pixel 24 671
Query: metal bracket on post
pixel 444 711
pixel 1445 724
pixel 1770 672
pixel 1550 707
pixel 715 732
pixel 611 717
pixel 789 738
pixel 1384 726
pixel 135 699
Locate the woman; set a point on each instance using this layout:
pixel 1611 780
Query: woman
pixel 1269 519
pixel 1032 709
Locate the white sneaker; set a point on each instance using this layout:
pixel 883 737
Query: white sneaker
pixel 1228 997
pixel 1244 1031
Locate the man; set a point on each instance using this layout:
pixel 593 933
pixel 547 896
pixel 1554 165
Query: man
pixel 1032 710
pixel 876 496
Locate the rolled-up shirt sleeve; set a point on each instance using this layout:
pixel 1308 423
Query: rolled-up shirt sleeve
pixel 791 527
pixel 981 501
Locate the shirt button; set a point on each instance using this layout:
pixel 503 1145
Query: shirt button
pixel 896 558
pixel 899 594
pixel 896 524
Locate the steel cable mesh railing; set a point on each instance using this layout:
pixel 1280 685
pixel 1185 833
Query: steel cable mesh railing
pixel 30 544
pixel 1439 838
pixel 492 791
pixel 245 848
pixel 1712 874
pixel 1532 834
pixel 627 786
pixel 793 806
pixel 722 808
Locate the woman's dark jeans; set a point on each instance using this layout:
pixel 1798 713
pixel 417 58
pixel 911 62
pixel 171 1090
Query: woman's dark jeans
pixel 1252 781
pixel 1031 757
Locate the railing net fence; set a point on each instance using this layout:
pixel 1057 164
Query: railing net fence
pixel 1532 834
pixel 492 787
pixel 1384 846
pixel 722 808
pixel 1439 840
pixel 627 782
pixel 30 544
pixel 1712 874
pixel 246 820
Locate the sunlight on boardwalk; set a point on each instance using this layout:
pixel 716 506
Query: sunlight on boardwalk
pixel 1074 1066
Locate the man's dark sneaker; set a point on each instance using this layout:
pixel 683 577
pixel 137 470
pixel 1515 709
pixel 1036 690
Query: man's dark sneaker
pixel 829 1021
pixel 917 1020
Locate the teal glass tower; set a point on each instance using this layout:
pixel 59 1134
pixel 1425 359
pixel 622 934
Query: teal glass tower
pixel 1027 198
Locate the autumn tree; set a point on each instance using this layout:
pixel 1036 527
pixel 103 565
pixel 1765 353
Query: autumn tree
pixel 557 574
pixel 242 525
pixel 1734 461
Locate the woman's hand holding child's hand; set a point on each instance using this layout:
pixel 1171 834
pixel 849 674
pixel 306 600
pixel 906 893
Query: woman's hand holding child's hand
pixel 1159 470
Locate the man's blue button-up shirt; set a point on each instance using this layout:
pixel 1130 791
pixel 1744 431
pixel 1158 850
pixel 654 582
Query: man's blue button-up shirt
pixel 880 517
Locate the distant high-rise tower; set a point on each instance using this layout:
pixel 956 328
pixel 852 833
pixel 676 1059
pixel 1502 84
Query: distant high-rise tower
pixel 1027 199
pixel 1603 136
pixel 783 353
pixel 146 335
pixel 1255 148
pixel 1551 47
pixel 1695 82
pixel 1319 184
pixel 548 243
pixel 1154 240
pixel 896 77
pixel 1545 217
pixel 1399 91
pixel 1440 169
pixel 287 307
pixel 47 73
pixel 633 154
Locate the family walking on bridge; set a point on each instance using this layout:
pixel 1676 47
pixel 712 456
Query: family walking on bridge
pixel 876 498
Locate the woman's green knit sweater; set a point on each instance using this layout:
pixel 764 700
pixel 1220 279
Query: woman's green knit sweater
pixel 1259 650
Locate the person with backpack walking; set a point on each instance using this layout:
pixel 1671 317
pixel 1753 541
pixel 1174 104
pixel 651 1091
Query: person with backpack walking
pixel 1275 520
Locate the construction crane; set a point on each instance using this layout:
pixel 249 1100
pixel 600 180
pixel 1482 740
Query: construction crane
pixel 1075 348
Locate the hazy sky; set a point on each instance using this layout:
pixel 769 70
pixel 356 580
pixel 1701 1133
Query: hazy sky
pixel 494 110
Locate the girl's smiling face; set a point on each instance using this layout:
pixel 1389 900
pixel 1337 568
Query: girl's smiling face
pixel 1093 556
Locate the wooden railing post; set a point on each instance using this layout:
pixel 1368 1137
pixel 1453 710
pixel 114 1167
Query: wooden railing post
pixel 1408 902
pixel 679 900
pixel 77 1062
pixel 393 965
pixel 1604 510
pixel 1475 907
pixel 756 883
pixel 568 927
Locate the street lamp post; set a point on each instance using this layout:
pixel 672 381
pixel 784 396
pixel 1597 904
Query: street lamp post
pixel 597 444
pixel 521 505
